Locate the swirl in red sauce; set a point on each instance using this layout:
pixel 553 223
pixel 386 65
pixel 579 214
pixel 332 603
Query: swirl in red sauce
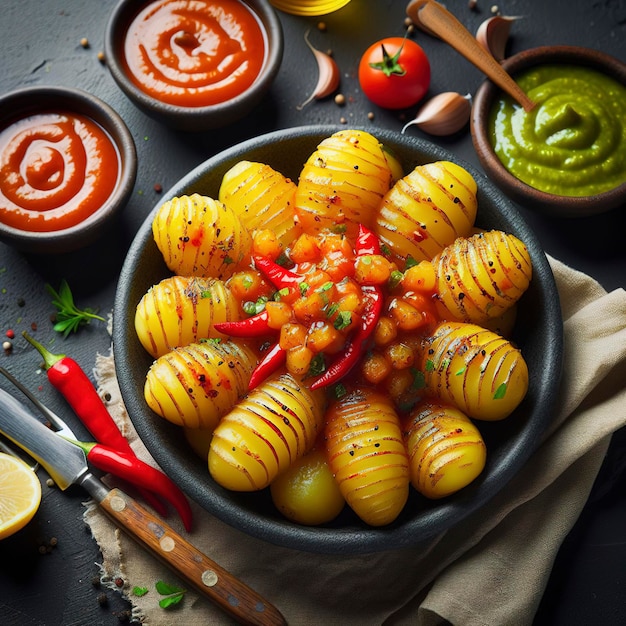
pixel 194 53
pixel 56 169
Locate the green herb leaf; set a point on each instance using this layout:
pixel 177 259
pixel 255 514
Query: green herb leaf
pixel 168 601
pixel 140 591
pixel 173 594
pixel 304 287
pixel 317 365
pixel 395 278
pixel 281 293
pixel 500 392
pixel 419 382
pixel 69 317
pixel 343 320
pixel 410 262
pixel 165 589
pixel 339 391
pixel 430 365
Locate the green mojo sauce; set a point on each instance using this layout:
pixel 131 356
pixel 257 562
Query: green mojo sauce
pixel 573 142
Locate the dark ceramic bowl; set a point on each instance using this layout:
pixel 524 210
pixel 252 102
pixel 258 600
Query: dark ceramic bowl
pixel 509 443
pixel 484 101
pixel 29 101
pixel 193 118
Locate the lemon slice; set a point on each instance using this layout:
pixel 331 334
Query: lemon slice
pixel 20 494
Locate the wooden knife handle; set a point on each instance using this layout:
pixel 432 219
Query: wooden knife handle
pixel 213 581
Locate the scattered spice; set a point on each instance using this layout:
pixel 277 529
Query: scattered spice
pixel 10 333
pixel 84 42
pixel 102 599
pixel 321 26
pixel 472 5
pixel 370 115
pixel 21 302
pixel 158 188
pixel 340 99
pixel 50 483
pixel 119 581
pixel 7 346
pixel 101 56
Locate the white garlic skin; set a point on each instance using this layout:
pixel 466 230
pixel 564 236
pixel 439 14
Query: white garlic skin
pixel 493 35
pixel 444 114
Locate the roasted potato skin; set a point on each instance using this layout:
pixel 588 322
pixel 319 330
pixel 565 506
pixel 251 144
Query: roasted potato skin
pixel 275 424
pixel 479 278
pixel 367 456
pixel 474 369
pixel 181 310
pixel 426 210
pixel 262 198
pixel 446 450
pixel 200 236
pixel 194 385
pixel 343 181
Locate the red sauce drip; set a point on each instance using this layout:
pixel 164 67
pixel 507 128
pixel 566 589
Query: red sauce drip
pixel 56 169
pixel 194 53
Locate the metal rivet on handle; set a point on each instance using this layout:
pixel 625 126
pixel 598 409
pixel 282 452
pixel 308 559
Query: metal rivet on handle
pixel 117 503
pixel 209 577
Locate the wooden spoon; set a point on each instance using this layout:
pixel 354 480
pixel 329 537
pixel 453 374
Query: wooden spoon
pixel 433 18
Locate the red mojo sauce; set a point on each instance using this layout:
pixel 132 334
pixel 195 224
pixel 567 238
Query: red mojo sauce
pixel 194 53
pixel 56 169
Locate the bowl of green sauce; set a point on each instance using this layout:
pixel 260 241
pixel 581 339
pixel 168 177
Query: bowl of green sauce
pixel 566 156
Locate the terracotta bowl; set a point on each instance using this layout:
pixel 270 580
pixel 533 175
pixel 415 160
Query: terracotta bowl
pixel 191 118
pixel 509 443
pixel 484 101
pixel 21 104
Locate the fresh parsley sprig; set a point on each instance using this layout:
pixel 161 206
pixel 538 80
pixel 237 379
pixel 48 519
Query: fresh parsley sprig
pixel 69 317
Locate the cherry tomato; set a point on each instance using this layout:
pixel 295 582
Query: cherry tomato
pixel 394 73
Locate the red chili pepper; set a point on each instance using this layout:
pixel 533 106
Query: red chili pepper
pixel 279 276
pixel 141 474
pixel 272 360
pixel 358 343
pixel 67 376
pixel 366 242
pixel 255 326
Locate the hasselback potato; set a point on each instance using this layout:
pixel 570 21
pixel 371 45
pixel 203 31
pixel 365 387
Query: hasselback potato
pixel 367 455
pixel 195 385
pixel 474 369
pixel 276 423
pixel 343 182
pixel 181 310
pixel 262 198
pixel 200 236
pixel 480 277
pixel 427 210
pixel 446 450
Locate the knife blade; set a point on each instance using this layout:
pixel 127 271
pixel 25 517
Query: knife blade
pixel 67 465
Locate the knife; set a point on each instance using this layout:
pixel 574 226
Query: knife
pixel 67 465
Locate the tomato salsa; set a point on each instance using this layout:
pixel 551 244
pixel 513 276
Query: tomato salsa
pixel 194 53
pixel 56 169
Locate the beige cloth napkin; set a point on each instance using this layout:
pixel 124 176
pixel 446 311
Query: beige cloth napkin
pixel 490 570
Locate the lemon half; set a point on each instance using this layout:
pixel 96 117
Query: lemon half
pixel 20 494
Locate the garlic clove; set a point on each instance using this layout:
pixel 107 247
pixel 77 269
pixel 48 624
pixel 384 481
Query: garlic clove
pixel 328 74
pixel 444 114
pixel 493 34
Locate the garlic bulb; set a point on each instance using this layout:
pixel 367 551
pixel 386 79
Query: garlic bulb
pixel 328 74
pixel 443 114
pixel 493 34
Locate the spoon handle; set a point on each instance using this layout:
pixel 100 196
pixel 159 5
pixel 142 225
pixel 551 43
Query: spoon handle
pixel 435 19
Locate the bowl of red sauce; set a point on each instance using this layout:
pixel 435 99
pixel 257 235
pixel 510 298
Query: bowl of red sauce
pixel 67 167
pixel 567 155
pixel 194 64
